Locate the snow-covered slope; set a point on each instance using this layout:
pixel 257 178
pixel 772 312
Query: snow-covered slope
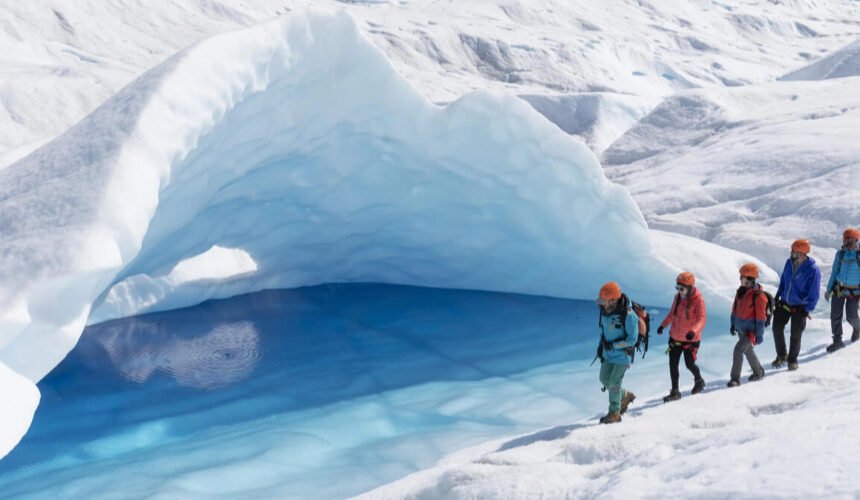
pixel 59 59
pixel 234 151
pixel 843 63
pixel 793 435
pixel 292 154
pixel 749 168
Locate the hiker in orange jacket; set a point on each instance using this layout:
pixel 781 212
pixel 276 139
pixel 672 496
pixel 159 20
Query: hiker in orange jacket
pixel 687 317
pixel 749 314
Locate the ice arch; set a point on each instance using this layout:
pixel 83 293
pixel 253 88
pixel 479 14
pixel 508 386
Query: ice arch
pixel 295 142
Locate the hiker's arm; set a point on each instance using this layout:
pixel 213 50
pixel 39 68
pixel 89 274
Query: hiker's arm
pixel 832 281
pixel 783 281
pixel 814 290
pixel 699 315
pixel 667 320
pixel 760 314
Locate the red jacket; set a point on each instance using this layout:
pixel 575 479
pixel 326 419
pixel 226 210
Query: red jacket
pixel 686 315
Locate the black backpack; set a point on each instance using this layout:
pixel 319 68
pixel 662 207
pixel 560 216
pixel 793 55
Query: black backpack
pixel 769 307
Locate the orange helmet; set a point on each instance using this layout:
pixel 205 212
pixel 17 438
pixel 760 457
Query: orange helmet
pixel 749 270
pixel 851 233
pixel 686 279
pixel 610 291
pixel 801 246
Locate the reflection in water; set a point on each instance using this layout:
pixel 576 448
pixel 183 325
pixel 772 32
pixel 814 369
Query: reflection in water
pixel 221 356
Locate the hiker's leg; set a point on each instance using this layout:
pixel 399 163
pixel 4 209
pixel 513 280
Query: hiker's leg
pixel 738 356
pixel 798 325
pixel 674 361
pixel 851 306
pixel 837 304
pixel 690 361
pixel 749 351
pixel 616 375
pixel 780 319
pixel 605 371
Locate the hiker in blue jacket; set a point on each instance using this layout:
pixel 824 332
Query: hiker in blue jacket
pixel 795 299
pixel 619 330
pixel 844 287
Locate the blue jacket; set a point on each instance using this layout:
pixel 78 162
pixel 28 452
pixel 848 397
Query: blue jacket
pixel 845 269
pixel 614 332
pixel 800 288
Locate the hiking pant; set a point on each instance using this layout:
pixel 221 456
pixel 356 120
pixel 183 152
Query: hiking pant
pixel 781 317
pixel 611 375
pixel 744 348
pixel 689 360
pixel 837 304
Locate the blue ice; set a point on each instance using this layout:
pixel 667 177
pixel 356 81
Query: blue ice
pixel 319 392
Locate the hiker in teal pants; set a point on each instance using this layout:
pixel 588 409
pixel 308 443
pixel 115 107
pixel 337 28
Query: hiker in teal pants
pixel 619 330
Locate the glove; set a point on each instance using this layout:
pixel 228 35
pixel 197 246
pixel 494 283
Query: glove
pixel 691 335
pixel 732 330
pixel 759 339
pixel 827 295
pixel 607 345
pixel 660 330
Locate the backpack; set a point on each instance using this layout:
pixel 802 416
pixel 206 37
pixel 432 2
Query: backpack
pixel 768 308
pixel 644 326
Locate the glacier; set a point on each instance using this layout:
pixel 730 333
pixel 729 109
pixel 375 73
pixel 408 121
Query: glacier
pixel 292 154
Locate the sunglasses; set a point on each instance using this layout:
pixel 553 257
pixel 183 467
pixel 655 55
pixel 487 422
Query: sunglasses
pixel 680 288
pixel 603 302
pixel 747 278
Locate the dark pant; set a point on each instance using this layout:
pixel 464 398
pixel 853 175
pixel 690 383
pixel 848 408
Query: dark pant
pixel 689 359
pixel 781 317
pixel 837 305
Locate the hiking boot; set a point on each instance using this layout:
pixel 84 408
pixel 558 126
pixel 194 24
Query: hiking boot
pixel 755 377
pixel 836 345
pixel 733 383
pixel 855 336
pixel 674 395
pixel 778 362
pixel 698 386
pixel 610 418
pixel 792 367
pixel 628 398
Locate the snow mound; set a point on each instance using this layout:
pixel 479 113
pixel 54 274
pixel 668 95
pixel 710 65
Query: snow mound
pixel 843 63
pixel 597 118
pixel 292 154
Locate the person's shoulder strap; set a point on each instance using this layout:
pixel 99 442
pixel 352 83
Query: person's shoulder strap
pixel 837 262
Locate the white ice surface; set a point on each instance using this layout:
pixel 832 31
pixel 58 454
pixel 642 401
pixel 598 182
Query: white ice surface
pixel 296 143
pixel 55 71
pixel 60 59
pixel 750 168
pixel 789 436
